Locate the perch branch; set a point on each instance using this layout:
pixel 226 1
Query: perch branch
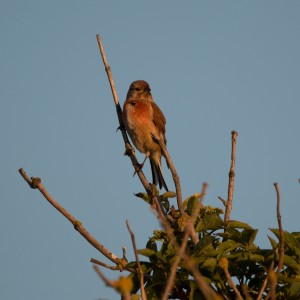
pixel 174 174
pixel 129 150
pixel 35 183
pixel 231 175
pixel 140 271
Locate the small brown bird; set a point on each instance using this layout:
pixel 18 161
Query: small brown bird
pixel 143 119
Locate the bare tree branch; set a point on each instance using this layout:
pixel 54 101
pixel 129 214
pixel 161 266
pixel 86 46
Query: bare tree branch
pixel 35 183
pixel 174 174
pixel 129 149
pixel 140 271
pixel 272 291
pixel 231 175
pixel 100 263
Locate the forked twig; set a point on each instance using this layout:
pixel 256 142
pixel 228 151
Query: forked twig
pixel 35 183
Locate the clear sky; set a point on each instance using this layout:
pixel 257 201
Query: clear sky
pixel 213 66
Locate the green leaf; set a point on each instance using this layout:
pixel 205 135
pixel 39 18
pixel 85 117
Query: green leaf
pixel 146 252
pixel 248 236
pixel 209 221
pixel 226 247
pixel 167 195
pixel 209 264
pixel 238 224
pixel 294 290
pixel 246 256
pixel 273 242
pixel 144 196
pixel 290 242
pixel 151 245
pixel 292 263
pixel 192 203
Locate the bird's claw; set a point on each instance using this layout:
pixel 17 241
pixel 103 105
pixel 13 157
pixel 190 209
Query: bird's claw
pixel 138 167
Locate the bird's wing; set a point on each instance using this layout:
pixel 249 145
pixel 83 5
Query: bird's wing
pixel 159 120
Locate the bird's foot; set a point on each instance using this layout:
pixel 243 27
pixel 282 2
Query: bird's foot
pixel 138 167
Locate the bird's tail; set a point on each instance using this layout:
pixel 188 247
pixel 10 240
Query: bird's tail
pixel 157 174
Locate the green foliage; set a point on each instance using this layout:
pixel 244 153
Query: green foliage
pixel 231 242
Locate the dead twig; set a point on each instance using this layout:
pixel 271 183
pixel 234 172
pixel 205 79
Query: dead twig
pixel 274 275
pixel 129 149
pixel 100 263
pixel 231 175
pixel 140 271
pixel 35 183
pixel 174 173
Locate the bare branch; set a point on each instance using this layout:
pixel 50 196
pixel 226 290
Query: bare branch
pixel 100 263
pixel 140 271
pixel 264 285
pixel 224 265
pixel 35 182
pixel 281 232
pixel 174 174
pixel 231 175
pixel 129 149
pixel 274 276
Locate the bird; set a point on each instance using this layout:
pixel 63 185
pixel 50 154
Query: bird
pixel 143 120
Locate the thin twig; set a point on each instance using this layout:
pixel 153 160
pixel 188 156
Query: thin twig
pixel 140 271
pixel 281 232
pixel 174 174
pixel 272 291
pixel 180 251
pixel 246 292
pixel 35 182
pixel 223 263
pixel 266 280
pixel 100 263
pixel 231 175
pixel 129 149
pixel 232 285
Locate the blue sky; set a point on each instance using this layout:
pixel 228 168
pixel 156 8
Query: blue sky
pixel 213 66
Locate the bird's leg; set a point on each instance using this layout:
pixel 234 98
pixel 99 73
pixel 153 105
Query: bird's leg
pixel 140 166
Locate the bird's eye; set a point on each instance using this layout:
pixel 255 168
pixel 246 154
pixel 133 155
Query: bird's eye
pixel 137 89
